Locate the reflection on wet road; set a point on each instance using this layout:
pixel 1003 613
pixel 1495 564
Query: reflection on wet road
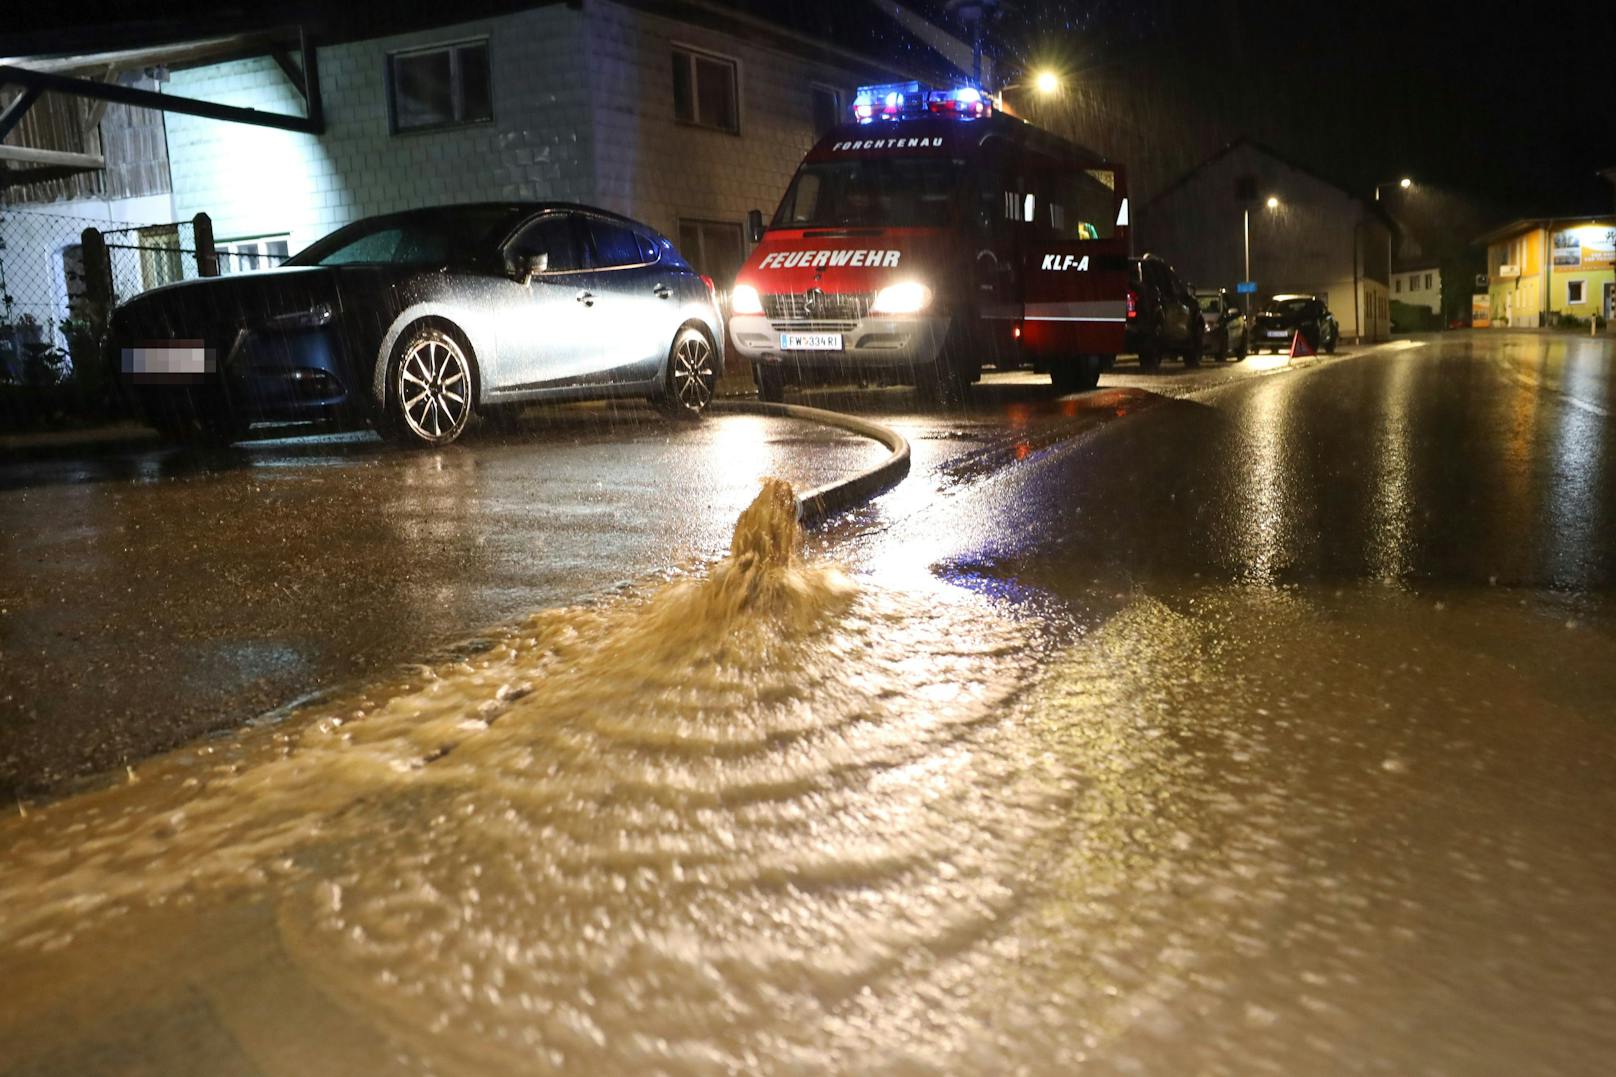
pixel 1258 729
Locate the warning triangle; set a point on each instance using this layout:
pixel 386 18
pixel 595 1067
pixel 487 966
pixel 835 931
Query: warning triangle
pixel 1300 347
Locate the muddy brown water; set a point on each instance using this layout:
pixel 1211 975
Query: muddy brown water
pixel 773 818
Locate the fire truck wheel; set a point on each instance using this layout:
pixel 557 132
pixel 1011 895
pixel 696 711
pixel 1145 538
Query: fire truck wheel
pixel 1078 375
pixel 771 383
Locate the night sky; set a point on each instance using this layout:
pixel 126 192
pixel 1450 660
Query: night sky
pixel 1515 110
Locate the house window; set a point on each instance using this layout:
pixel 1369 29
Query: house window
pixel 251 254
pixel 1428 282
pixel 443 86
pixel 827 105
pixel 1576 292
pixel 704 91
pixel 713 248
pixel 1398 285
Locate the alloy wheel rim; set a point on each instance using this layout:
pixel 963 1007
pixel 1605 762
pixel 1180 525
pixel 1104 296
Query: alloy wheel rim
pixel 433 381
pixel 692 373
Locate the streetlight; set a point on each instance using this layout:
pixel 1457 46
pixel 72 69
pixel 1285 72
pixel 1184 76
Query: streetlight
pixel 1245 212
pixel 1405 183
pixel 1047 82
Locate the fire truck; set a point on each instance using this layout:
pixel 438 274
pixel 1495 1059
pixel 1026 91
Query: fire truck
pixel 929 236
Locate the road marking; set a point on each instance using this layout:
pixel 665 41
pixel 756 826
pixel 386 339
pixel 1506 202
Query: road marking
pixel 1575 401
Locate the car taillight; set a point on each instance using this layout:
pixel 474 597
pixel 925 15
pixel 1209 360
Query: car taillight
pixel 1133 303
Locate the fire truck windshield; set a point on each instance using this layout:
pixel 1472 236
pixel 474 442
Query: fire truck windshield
pixel 895 192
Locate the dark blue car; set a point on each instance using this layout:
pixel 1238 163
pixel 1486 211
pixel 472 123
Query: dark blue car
pixel 416 321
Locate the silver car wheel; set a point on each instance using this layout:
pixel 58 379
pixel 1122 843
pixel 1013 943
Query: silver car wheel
pixel 692 374
pixel 434 388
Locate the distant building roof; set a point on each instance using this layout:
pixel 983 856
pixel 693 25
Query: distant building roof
pixel 1245 141
pixel 1526 224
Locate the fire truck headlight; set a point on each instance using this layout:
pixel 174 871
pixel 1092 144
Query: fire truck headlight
pixel 744 299
pixel 908 297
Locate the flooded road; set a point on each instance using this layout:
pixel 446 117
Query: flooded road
pixel 1259 729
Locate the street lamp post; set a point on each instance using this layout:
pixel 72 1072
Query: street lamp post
pixel 1046 82
pixel 1405 183
pixel 1245 222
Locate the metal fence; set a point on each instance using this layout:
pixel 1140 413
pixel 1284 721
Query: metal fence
pixel 41 290
pixel 143 257
pixel 61 276
pixel 37 279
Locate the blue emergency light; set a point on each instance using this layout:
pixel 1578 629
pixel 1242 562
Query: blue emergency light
pixel 907 100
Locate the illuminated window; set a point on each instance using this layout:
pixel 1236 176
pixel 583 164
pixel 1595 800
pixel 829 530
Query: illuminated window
pixel 704 91
pixel 444 86
pixel 251 254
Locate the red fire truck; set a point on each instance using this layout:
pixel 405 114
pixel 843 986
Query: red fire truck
pixel 928 237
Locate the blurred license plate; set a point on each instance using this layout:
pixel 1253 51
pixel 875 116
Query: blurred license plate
pixel 811 342
pixel 180 358
pixel 1280 333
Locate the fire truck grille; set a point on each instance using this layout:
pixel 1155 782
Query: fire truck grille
pixel 784 326
pixel 824 307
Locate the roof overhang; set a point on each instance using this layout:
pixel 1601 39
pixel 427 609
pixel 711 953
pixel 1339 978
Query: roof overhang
pixel 94 76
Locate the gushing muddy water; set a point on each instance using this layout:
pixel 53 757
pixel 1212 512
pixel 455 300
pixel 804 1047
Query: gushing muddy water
pixel 770 819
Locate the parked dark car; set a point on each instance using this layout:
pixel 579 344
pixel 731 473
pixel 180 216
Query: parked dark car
pixel 1227 332
pixel 1163 316
pixel 416 321
pixel 1283 315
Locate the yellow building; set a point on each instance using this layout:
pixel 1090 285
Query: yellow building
pixel 1540 271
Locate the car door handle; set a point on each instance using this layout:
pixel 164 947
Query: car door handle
pixel 661 291
pixel 586 298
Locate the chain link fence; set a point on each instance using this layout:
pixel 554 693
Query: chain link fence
pixel 60 278
pixel 142 257
pixel 41 292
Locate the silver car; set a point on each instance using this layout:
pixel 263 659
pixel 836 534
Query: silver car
pixel 414 322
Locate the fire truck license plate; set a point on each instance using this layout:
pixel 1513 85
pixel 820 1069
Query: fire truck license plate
pixel 811 342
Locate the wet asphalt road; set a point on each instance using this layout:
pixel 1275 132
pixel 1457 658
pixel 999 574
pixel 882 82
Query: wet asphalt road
pixel 1249 720
pixel 153 596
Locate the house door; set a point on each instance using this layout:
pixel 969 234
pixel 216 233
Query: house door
pixel 1610 302
pixel 1509 308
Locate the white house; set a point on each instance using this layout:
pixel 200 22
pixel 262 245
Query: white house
pixel 1305 234
pixel 1419 284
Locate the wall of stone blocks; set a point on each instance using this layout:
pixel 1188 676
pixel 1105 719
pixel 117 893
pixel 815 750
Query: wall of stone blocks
pixel 261 181
pixel 653 167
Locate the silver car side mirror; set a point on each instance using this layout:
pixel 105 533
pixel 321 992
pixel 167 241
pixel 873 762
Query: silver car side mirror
pixel 529 266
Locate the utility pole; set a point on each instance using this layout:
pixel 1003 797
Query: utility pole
pixel 1245 213
pixel 974 13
